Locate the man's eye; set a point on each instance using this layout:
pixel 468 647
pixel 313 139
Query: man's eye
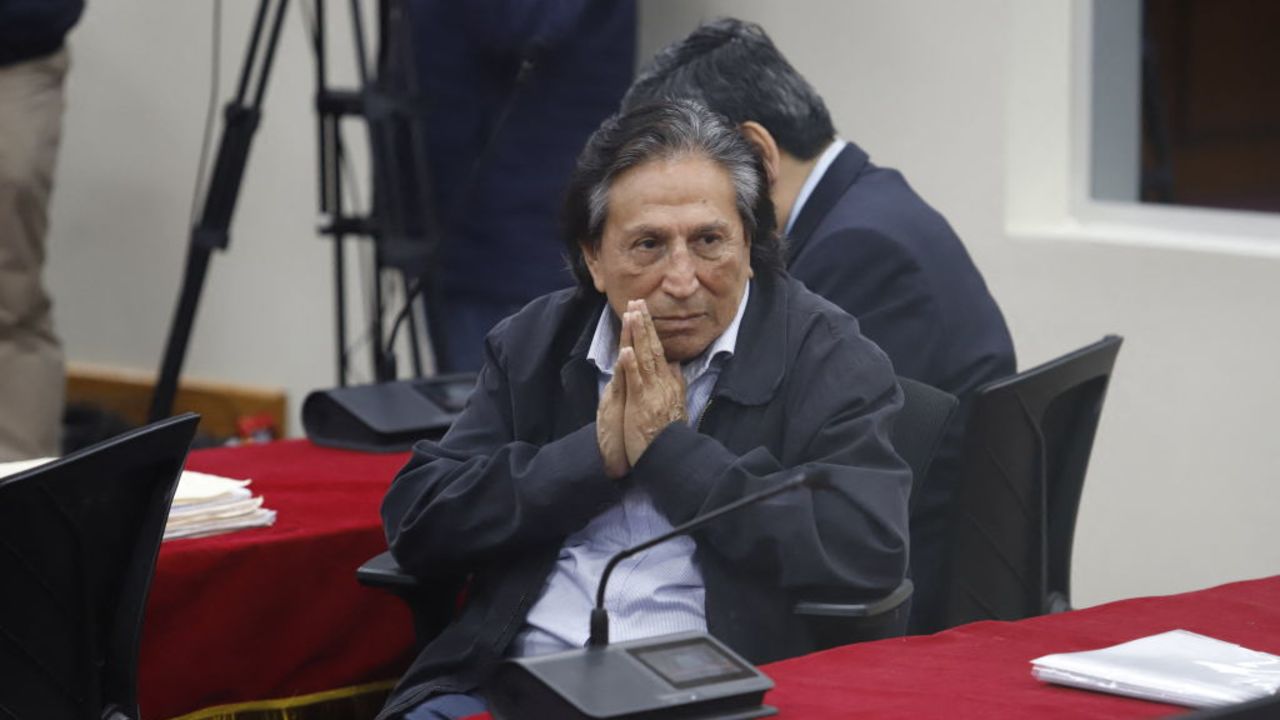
pixel 709 244
pixel 646 243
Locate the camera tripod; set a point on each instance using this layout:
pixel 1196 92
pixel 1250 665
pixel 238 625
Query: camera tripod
pixel 401 223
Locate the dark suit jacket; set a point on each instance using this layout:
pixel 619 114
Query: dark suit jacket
pixel 501 143
pixel 867 242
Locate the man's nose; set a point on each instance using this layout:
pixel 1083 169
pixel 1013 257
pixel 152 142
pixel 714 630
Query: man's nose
pixel 681 278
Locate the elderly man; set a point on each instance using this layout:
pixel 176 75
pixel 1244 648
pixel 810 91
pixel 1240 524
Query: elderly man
pixel 686 371
pixel 859 236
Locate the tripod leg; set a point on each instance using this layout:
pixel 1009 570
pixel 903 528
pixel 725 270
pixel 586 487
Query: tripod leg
pixel 179 332
pixel 240 123
pixel 340 307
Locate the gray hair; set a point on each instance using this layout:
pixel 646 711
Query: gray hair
pixel 667 130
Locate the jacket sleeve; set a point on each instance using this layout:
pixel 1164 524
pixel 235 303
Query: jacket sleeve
pixel 480 492
pixel 876 280
pixel 846 532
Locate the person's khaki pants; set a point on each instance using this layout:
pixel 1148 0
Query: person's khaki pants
pixel 32 382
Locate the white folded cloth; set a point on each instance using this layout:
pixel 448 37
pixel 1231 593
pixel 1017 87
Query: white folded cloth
pixel 1178 667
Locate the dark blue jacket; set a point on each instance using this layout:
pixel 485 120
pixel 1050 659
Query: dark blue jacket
pixel 520 471
pixel 34 28
pixel 867 242
pixel 502 237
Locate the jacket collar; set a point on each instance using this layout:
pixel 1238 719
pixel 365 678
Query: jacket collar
pixel 848 165
pixel 578 374
pixel 754 373
pixel 594 304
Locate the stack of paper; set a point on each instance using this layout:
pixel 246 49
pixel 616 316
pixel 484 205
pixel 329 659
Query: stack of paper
pixel 203 505
pixel 16 466
pixel 1177 667
pixel 208 504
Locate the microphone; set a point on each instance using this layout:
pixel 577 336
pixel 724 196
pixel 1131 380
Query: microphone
pixel 599 635
pixel 690 675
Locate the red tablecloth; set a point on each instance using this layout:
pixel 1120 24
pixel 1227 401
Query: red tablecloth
pixel 983 670
pixel 275 612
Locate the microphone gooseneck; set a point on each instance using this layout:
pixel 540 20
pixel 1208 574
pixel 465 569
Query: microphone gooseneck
pixel 599 635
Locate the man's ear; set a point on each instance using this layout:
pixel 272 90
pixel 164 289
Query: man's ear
pixel 762 139
pixel 591 254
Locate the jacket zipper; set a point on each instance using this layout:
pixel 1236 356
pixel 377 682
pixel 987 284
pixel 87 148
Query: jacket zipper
pixel 703 415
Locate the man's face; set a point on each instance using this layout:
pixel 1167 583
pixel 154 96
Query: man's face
pixel 673 238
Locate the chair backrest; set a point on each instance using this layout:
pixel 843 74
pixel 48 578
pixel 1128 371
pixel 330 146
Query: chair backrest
pixel 926 412
pixel 78 543
pixel 1026 449
pixel 833 617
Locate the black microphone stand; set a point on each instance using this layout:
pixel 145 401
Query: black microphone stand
pixel 599 635
pixel 402 223
pixel 689 675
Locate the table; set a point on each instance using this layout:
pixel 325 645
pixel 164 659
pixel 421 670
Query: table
pixel 276 612
pixel 982 670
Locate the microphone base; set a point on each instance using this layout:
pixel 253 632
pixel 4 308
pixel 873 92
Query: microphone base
pixel 688 675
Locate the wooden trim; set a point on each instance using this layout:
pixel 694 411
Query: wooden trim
pixel 220 404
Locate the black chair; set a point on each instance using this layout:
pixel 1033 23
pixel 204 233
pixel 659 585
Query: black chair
pixel 1026 449
pixel 833 620
pixel 926 412
pixel 78 543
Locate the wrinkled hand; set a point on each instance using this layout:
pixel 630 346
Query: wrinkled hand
pixel 654 394
pixel 609 428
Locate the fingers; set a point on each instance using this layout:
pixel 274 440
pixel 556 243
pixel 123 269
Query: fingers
pixel 634 336
pixel 644 337
pixel 613 394
pixel 609 429
pixel 624 336
pixel 655 342
pixel 619 391
pixel 630 370
pixel 636 315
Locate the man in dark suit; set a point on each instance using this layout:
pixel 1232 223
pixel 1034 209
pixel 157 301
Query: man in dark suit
pixel 862 238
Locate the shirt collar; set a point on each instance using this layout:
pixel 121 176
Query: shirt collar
pixel 815 176
pixel 603 352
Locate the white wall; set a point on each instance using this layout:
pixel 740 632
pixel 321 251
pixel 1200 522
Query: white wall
pixel 971 100
pixel 137 95
pixel 975 102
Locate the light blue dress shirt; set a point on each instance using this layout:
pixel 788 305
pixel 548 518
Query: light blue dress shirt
pixel 815 176
pixel 656 592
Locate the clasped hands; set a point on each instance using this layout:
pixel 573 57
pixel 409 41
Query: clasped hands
pixel 644 396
